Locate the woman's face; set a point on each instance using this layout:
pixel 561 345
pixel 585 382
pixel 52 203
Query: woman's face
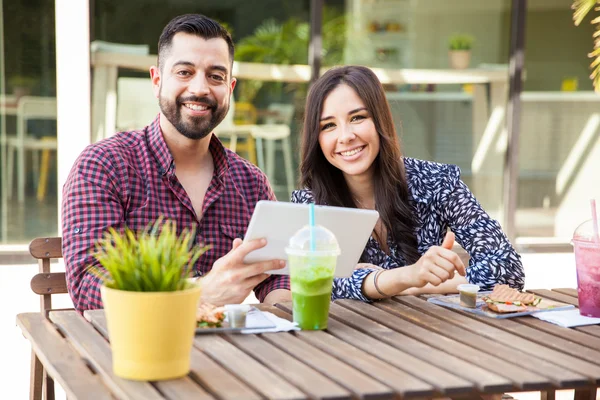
pixel 348 137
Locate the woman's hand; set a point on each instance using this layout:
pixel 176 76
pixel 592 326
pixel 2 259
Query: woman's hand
pixel 437 265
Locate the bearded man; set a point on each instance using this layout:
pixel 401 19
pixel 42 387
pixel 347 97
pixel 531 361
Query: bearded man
pixel 175 168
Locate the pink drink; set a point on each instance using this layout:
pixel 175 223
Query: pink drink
pixel 587 260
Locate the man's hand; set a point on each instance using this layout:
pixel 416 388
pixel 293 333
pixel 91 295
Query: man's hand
pixel 437 265
pixel 230 280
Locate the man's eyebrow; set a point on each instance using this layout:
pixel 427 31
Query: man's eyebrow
pixel 349 113
pixel 215 67
pixel 220 68
pixel 185 63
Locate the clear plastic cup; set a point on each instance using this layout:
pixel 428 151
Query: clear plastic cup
pixel 311 275
pixel 236 314
pixel 468 295
pixel 587 261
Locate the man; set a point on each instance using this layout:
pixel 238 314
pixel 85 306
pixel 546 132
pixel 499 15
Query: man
pixel 177 168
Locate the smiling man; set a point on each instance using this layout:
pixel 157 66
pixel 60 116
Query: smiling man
pixel 177 168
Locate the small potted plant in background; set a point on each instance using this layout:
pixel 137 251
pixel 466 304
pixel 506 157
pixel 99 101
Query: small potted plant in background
pixel 459 53
pixel 149 301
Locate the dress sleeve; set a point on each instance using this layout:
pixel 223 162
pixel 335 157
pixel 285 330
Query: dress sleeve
pixel 274 281
pixel 493 258
pixel 91 204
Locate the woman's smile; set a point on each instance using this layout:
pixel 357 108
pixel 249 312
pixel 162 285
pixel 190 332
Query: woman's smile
pixel 352 154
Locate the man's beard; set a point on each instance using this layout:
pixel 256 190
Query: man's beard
pixel 195 128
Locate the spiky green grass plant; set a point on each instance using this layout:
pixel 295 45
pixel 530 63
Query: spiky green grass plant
pixel 460 42
pixel 154 260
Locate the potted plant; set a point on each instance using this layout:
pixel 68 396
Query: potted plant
pixel 459 53
pixel 581 9
pixel 149 301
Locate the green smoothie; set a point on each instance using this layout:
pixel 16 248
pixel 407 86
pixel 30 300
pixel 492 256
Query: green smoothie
pixel 311 281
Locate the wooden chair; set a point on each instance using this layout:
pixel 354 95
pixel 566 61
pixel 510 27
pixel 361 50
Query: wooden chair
pixel 45 284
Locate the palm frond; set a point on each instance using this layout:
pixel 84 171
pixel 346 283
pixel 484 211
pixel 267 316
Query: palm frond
pixel 582 9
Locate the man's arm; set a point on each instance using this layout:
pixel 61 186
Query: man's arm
pixel 91 203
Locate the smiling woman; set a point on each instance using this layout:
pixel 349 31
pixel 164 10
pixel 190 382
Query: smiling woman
pixel 351 157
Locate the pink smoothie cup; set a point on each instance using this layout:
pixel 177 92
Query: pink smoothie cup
pixel 587 260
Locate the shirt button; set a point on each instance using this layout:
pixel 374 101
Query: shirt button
pixel 77 230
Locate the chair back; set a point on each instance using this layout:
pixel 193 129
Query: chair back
pixel 284 113
pixel 136 104
pixel 245 114
pixel 33 108
pixel 47 283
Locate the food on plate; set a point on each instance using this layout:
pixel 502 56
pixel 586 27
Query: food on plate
pixel 210 316
pixel 505 299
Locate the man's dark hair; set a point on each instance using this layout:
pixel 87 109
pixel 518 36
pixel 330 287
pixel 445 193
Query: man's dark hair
pixel 195 24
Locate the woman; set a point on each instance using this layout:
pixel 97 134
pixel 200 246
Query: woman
pixel 351 158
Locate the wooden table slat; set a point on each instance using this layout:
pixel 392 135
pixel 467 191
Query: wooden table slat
pixel 525 373
pixel 61 360
pixel 93 347
pixel 183 389
pixel 552 295
pixel 568 291
pixel 517 335
pixel 559 295
pixel 361 385
pixel 378 323
pixel 301 375
pixel 443 381
pixel 217 380
pixel 568 334
pixel 253 373
pixel 402 382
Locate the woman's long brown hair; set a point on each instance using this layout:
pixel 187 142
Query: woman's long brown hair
pixel 327 182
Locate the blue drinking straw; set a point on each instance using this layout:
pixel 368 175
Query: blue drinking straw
pixel 311 223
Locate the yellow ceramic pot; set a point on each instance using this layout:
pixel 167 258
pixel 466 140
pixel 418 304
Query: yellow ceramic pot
pixel 151 333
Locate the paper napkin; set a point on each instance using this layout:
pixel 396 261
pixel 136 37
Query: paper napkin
pixel 566 318
pixel 255 323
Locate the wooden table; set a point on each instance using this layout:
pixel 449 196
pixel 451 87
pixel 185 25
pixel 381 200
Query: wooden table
pixel 405 347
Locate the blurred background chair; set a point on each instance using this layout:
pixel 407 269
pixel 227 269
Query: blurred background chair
pixel 30 108
pixel 238 138
pixel 276 136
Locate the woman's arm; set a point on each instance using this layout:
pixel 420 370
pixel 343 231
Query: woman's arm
pixel 493 258
pixel 438 268
pixel 447 287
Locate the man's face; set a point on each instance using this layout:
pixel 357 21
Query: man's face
pixel 194 84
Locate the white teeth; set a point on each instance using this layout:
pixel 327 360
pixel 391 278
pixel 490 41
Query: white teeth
pixel 196 107
pixel 352 152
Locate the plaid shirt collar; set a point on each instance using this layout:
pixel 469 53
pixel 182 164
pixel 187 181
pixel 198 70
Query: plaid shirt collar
pixel 158 147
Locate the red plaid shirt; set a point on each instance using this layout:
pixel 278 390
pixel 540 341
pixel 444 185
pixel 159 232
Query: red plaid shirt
pixel 129 180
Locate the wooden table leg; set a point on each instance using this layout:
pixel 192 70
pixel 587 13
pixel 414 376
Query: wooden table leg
pixel 36 378
pixel 548 395
pixel 48 387
pixel 585 394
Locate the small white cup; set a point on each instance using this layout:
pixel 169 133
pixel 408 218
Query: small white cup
pixel 236 314
pixel 468 295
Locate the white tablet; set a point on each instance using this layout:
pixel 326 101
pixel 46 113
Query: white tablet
pixel 279 221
